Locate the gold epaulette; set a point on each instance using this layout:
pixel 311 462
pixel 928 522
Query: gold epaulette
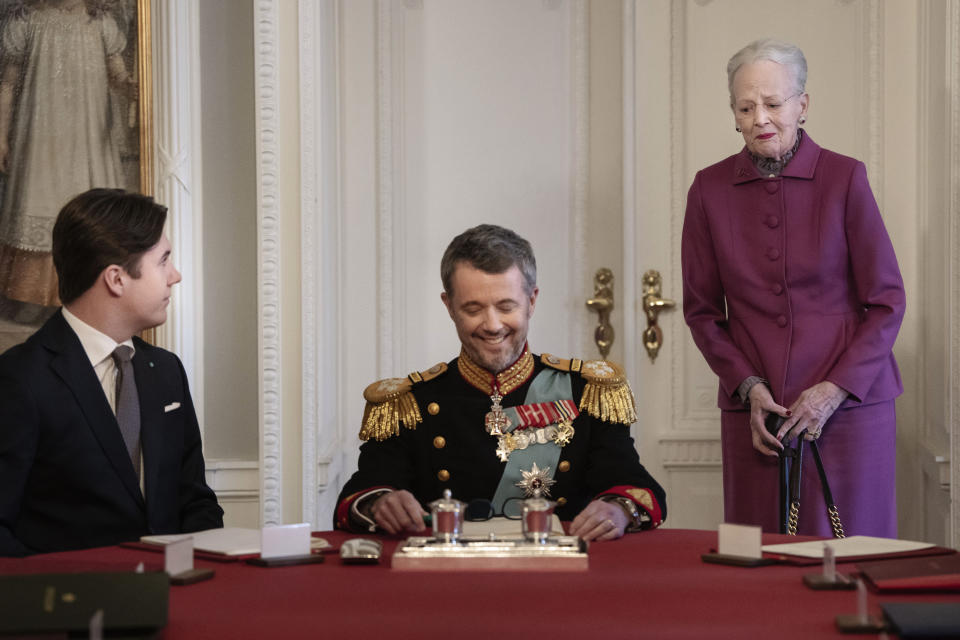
pixel 607 395
pixel 429 374
pixel 391 401
pixel 561 364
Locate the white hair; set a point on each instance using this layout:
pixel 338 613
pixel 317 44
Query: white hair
pixel 789 55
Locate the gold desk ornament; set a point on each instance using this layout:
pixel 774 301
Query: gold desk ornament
pixel 602 303
pixel 653 304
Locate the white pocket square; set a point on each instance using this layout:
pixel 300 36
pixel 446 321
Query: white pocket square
pixel 170 407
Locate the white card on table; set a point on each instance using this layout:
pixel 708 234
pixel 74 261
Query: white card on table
pixel 178 556
pixel 285 541
pixel 739 540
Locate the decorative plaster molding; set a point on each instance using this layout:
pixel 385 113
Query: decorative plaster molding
pixel 631 283
pixel 873 42
pixel 691 452
pixel 321 288
pixel 266 63
pixel 175 110
pixel 678 76
pixel 308 13
pixel 580 60
pixel 385 190
pixel 234 480
pixel 953 64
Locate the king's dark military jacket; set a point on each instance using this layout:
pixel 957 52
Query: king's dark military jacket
pixel 438 440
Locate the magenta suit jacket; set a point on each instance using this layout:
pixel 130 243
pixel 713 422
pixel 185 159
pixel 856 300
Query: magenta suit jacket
pixel 792 278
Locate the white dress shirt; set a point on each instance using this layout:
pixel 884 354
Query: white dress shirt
pixel 99 348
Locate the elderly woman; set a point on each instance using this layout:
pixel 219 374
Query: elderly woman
pixel 793 294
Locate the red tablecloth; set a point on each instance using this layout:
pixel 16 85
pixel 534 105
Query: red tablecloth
pixel 650 585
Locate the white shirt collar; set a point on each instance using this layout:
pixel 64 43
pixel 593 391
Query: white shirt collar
pixel 97 345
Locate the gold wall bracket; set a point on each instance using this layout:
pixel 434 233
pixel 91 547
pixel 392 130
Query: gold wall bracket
pixel 602 303
pixel 653 304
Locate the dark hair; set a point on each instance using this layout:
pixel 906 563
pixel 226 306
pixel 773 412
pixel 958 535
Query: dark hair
pixel 492 249
pixel 101 227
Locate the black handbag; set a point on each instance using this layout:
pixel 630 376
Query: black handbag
pixel 791 464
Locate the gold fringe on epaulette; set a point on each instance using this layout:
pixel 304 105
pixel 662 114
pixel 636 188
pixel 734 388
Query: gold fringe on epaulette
pixel 609 402
pixel 382 420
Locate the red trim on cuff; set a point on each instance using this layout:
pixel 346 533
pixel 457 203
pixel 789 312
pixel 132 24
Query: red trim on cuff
pixel 343 509
pixel 643 498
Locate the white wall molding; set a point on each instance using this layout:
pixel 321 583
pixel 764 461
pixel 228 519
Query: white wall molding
pixel 387 200
pixel 580 62
pixel 176 117
pixel 678 79
pixel 237 485
pixel 873 75
pixel 321 286
pixel 631 283
pixel 701 452
pixel 266 64
pixel 234 480
pixel 310 30
pixel 953 66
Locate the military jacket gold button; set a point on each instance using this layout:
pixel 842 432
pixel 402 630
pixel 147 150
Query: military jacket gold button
pixel 564 466
pixel 561 501
pixel 443 475
pixel 433 408
pixel 439 442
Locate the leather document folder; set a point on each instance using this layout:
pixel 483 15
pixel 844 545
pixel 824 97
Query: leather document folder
pixel 133 604
pixel 923 619
pixel 927 573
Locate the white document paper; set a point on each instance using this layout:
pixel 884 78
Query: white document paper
pixel 739 540
pixel 846 547
pixel 230 541
pixel 178 556
pixel 285 541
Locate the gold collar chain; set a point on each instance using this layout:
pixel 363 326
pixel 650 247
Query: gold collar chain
pixel 507 380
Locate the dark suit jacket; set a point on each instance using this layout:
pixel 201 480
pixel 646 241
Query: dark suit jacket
pixel 793 278
pixel 67 481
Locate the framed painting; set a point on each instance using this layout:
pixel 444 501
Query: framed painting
pixel 75 113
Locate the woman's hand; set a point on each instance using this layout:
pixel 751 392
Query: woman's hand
pixel 812 410
pixel 761 405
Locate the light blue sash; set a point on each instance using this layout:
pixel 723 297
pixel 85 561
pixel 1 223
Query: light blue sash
pixel 549 386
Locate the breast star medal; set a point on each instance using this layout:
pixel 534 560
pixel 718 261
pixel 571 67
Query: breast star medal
pixel 536 480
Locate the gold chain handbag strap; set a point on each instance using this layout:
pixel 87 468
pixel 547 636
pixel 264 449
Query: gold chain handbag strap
pixel 832 512
pixel 793 516
pixel 795 455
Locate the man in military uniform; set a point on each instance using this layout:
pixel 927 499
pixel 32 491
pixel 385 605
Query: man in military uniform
pixel 498 422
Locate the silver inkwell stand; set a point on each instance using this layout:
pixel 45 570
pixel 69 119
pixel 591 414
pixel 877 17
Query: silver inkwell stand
pixel 533 545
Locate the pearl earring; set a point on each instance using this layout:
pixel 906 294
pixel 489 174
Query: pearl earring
pixel 803 119
pixel 739 130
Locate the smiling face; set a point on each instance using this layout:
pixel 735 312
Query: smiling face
pixel 767 107
pixel 146 297
pixel 492 314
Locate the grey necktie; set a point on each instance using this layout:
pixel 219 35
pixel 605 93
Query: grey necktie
pixel 128 403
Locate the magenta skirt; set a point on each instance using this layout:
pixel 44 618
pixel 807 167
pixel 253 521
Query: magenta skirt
pixel 858 447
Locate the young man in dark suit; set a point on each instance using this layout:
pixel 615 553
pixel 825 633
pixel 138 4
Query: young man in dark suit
pixel 99 441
